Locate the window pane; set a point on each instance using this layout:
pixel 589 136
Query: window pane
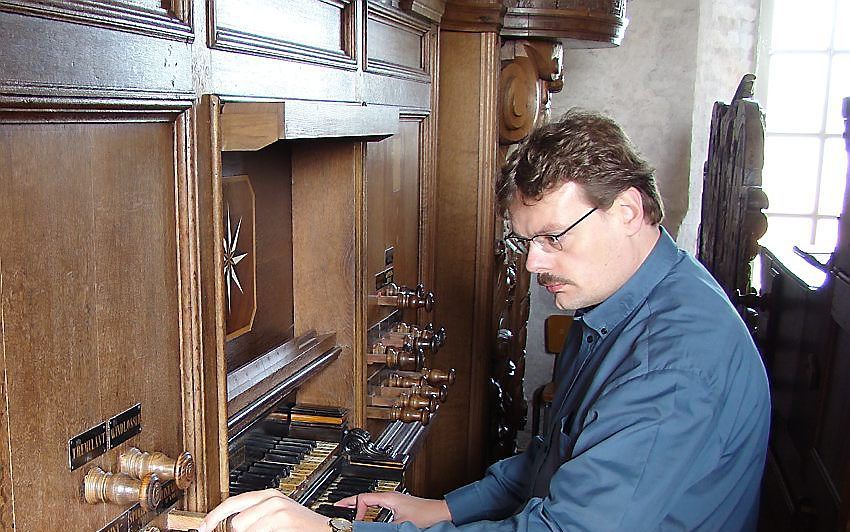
pixel 833 177
pixel 839 88
pixel 790 173
pixel 842 28
pixel 827 235
pixel 796 89
pixel 784 233
pixel 802 25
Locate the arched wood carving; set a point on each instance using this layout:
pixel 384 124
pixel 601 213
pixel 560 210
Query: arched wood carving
pixel 732 199
pixel 531 72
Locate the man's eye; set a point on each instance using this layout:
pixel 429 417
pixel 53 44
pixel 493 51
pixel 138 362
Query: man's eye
pixel 550 239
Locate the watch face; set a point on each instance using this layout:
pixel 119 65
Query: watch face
pixel 340 524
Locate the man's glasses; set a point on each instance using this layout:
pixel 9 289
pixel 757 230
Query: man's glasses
pixel 546 243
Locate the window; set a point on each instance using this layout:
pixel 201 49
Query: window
pixel 804 73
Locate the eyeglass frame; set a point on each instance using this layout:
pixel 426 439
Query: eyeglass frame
pixel 522 245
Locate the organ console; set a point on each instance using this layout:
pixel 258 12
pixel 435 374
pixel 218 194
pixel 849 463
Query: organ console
pixel 217 227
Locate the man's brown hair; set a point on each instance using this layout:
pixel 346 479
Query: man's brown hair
pixel 587 148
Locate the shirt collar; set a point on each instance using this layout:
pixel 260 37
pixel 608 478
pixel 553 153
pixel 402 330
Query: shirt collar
pixel 606 315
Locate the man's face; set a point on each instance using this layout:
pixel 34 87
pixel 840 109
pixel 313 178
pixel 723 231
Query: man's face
pixel 590 266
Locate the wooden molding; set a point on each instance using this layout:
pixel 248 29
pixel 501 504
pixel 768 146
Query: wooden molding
pixel 250 126
pixel 173 23
pixel 377 13
pixel 431 9
pixel 473 16
pixel 224 36
pixel 581 28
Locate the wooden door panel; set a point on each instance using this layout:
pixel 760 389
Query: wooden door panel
pixel 91 301
pixel 393 210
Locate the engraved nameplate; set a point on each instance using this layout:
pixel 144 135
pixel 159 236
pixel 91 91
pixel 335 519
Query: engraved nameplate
pixel 125 425
pixel 92 443
pixel 119 524
pixel 88 445
pixel 170 495
pixel 137 518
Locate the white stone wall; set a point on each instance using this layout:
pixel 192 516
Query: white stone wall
pixel 678 57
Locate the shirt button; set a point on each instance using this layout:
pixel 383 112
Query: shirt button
pixel 604 330
pixel 589 339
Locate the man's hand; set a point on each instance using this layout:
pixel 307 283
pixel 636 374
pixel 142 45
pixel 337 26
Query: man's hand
pixel 266 511
pixel 421 512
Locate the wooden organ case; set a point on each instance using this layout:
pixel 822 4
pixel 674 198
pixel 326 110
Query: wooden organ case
pixel 227 242
pixel 215 216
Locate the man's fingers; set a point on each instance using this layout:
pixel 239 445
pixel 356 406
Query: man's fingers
pixel 249 518
pixel 348 502
pixel 362 506
pixel 234 505
pixel 368 499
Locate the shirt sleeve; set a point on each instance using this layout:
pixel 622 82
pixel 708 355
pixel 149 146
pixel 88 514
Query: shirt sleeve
pixel 497 495
pixel 641 442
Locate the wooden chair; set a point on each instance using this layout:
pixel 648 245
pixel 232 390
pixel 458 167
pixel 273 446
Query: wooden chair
pixel 556 328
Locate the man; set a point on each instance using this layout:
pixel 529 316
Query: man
pixel 661 415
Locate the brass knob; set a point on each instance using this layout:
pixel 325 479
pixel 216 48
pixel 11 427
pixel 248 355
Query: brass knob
pixel 404 328
pixel 137 464
pixel 440 392
pixel 439 334
pixel 409 415
pixel 431 343
pixel 396 359
pixel 404 381
pixel 438 376
pixel 420 402
pixel 406 360
pixel 100 486
pixel 403 297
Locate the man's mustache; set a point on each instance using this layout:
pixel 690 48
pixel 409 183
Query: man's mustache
pixel 545 279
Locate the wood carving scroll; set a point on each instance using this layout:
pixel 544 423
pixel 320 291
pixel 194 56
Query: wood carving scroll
pixel 239 252
pixel 732 200
pixel 530 74
pixel 531 71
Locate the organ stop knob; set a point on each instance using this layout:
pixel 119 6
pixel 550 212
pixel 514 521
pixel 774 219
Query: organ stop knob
pixel 137 464
pixel 100 486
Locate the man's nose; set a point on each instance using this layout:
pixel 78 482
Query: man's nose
pixel 535 260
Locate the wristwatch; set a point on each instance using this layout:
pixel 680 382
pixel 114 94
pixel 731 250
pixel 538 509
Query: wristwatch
pixel 338 524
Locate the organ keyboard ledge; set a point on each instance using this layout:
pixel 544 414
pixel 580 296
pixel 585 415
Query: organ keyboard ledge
pixel 256 388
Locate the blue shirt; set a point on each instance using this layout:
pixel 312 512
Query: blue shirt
pixel 660 420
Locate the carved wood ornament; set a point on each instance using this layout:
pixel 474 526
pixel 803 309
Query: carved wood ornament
pixel 732 217
pixel 531 72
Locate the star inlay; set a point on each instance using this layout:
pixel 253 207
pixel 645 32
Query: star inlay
pixel 232 257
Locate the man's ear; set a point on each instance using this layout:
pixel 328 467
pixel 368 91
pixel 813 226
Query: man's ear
pixel 629 207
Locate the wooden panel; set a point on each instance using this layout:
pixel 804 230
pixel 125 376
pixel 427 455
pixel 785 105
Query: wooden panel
pixel 327 224
pixel 270 174
pixel 210 389
pixel 90 62
pixel 316 31
pixel 93 305
pixel 464 252
pixel 167 19
pixel 392 206
pixel 396 44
